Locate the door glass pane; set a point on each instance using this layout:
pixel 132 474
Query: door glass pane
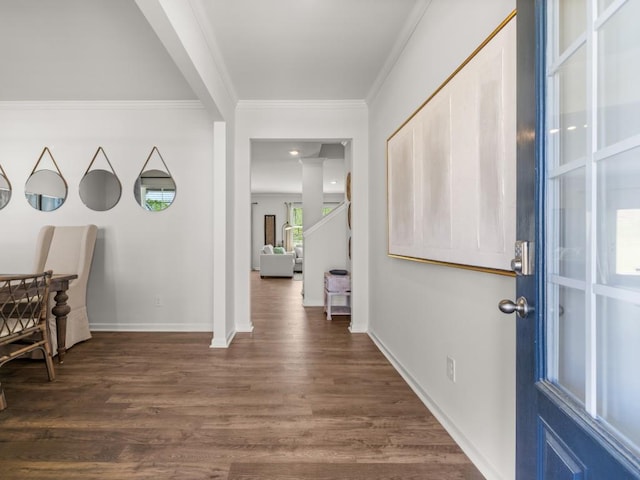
pixel 571 341
pixel 571 220
pixel 592 311
pixel 572 17
pixel 569 124
pixel 619 220
pixel 618 74
pixel 618 333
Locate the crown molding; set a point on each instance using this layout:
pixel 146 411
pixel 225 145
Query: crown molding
pixel 405 35
pixel 102 105
pixel 301 104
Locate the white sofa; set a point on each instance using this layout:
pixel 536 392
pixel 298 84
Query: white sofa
pixel 275 264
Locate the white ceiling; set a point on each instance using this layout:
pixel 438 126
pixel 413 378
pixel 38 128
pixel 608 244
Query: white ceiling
pixel 306 49
pixel 269 50
pixel 275 170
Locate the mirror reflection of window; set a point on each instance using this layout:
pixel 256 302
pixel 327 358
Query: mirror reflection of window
pixel 5 191
pixel 155 190
pixel 45 190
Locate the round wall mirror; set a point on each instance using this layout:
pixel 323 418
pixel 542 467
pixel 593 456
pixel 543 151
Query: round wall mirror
pixel 5 191
pixel 45 190
pixel 154 190
pixel 100 190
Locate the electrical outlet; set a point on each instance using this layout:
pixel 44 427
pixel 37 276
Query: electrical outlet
pixel 451 369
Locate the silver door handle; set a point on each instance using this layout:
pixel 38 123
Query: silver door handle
pixel 521 307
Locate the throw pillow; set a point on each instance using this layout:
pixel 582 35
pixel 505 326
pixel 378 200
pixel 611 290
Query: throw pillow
pixel 278 250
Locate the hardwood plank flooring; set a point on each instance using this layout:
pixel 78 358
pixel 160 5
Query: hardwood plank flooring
pixel 299 398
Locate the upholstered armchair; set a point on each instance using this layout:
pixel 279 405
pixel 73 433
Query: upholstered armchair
pixel 298 253
pixel 68 250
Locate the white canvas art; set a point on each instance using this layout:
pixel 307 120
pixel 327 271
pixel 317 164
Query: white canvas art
pixel 452 165
pixel 401 190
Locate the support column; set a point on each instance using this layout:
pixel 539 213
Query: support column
pixel 223 329
pixel 312 191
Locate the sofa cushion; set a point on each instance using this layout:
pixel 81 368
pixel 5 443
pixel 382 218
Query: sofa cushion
pixel 268 249
pixel 298 251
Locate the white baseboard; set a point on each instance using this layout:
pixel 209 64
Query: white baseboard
pixel 467 447
pixel 248 328
pixel 217 342
pixel 150 327
pixel 359 329
pixel 313 303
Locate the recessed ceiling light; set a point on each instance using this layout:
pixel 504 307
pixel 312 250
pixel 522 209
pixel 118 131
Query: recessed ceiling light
pixel 333 182
pixel 294 152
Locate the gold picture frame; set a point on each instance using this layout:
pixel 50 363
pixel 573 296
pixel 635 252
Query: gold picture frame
pixel 451 165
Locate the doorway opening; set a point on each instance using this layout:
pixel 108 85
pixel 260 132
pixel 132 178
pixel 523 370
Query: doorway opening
pixel 278 181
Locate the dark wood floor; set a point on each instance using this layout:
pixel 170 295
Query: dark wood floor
pixel 299 398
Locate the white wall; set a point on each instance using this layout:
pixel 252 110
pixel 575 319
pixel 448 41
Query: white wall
pixel 325 248
pixel 139 255
pixel 421 313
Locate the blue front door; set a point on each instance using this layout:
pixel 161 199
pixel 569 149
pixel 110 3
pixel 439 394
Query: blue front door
pixel 578 346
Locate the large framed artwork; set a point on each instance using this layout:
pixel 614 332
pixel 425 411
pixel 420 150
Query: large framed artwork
pixel 451 167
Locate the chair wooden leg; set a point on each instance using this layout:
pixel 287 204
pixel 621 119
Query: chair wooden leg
pixel 3 401
pixel 49 362
pixel 46 350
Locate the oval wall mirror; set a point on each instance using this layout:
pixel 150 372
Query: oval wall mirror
pixel 45 190
pixel 5 189
pixel 100 190
pixel 154 190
